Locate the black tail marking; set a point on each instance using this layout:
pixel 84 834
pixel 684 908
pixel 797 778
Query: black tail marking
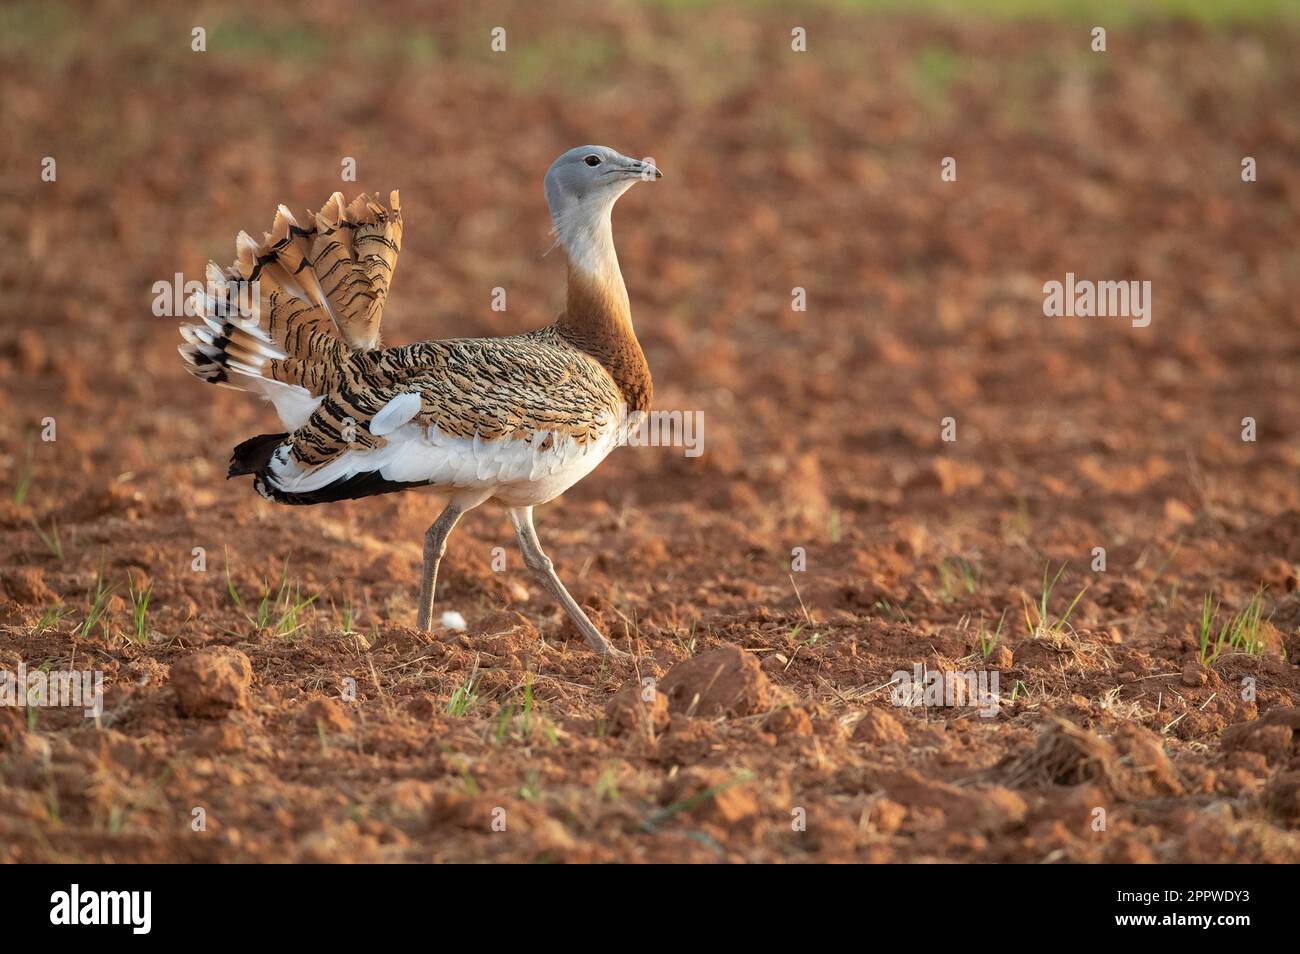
pixel 368 484
pixel 253 454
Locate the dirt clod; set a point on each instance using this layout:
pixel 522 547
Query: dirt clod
pixel 1283 796
pixel 637 707
pixel 791 720
pixel 326 715
pixel 1272 735
pixel 210 683
pixel 723 797
pixel 1065 754
pixel 725 681
pixel 1194 674
pixel 879 727
pixel 887 816
pixel 27 585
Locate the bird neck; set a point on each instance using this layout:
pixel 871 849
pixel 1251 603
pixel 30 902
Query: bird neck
pixel 598 316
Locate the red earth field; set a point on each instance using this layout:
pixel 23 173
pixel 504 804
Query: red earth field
pixel 827 538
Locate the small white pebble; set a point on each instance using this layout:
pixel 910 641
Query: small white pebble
pixel 453 620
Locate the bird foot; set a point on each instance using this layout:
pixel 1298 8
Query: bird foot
pixel 617 655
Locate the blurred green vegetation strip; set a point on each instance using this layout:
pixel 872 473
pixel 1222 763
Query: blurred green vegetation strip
pixel 375 39
pixel 50 33
pixel 1096 12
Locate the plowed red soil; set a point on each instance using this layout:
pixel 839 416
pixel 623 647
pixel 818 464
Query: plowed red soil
pixel 345 735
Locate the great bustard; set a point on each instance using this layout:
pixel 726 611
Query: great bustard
pixel 518 419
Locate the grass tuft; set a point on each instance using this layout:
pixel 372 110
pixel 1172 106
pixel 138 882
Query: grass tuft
pixel 1038 617
pixel 139 612
pixel 1238 633
pixel 465 696
pixel 280 609
pixel 52 617
pixel 52 541
pixel 97 615
pixel 955 577
pixel 989 641
pixel 24 483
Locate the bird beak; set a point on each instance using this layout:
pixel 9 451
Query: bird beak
pixel 644 170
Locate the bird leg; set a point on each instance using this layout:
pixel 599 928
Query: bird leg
pixel 544 570
pixel 435 545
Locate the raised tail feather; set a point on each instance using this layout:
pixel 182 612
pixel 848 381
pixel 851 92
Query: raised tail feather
pixel 320 292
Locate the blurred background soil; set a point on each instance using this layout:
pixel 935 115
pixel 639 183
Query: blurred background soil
pixel 316 724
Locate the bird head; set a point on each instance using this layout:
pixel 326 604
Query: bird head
pixel 590 178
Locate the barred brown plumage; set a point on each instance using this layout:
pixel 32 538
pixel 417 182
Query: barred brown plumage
pixel 515 419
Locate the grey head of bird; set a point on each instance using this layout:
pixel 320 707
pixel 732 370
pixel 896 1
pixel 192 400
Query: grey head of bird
pixel 581 189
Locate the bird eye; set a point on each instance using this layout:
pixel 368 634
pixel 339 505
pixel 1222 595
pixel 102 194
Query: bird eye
pixel 592 160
